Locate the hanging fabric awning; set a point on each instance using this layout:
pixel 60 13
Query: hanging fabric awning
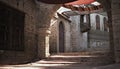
pixel 92 8
pixel 84 6
pixel 56 1
pixel 81 10
pixel 80 2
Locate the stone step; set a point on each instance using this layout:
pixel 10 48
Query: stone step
pixel 79 58
pixel 86 58
pixel 96 53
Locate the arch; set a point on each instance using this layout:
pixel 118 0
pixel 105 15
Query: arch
pixel 105 24
pixel 61 37
pixel 97 22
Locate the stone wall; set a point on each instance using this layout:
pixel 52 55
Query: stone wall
pixel 36 31
pixel 93 20
pixel 98 39
pixel 78 39
pixel 54 36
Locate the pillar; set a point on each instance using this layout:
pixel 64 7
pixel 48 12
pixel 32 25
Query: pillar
pixel 115 9
pixel 43 42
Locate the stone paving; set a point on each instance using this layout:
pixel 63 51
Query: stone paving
pixel 59 66
pixel 62 62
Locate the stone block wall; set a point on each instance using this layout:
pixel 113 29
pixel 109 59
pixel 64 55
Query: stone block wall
pixel 99 41
pixel 54 36
pixel 78 39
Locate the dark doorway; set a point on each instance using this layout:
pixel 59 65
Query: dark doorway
pixel 61 37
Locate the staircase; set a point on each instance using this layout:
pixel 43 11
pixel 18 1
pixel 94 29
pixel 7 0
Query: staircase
pixel 87 58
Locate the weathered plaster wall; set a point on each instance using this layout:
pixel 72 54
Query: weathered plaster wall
pixel 93 21
pixel 78 39
pixel 98 39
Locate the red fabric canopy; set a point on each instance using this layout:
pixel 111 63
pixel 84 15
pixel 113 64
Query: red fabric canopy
pixel 79 2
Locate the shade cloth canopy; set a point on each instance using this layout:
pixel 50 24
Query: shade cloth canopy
pixel 68 2
pixel 79 2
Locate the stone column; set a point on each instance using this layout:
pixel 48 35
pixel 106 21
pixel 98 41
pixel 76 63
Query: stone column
pixel 43 42
pixel 45 13
pixel 111 51
pixel 115 8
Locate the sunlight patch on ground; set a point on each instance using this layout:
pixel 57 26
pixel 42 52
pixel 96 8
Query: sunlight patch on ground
pixel 28 68
pixel 71 56
pixel 6 67
pixel 55 62
pixel 50 65
pixel 22 68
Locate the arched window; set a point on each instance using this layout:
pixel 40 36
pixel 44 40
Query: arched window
pixel 105 24
pixel 97 22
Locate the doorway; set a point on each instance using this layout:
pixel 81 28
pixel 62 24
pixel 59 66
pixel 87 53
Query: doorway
pixel 61 38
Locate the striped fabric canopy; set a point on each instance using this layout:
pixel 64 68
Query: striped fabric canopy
pixel 70 4
pixel 84 6
pixel 79 2
pixel 91 8
pixel 83 10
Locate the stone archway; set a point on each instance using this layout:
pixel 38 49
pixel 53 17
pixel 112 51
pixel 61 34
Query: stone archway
pixel 44 16
pixel 107 7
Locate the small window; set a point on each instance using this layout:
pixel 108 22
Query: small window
pixel 97 22
pixel 84 25
pixel 83 19
pixel 105 24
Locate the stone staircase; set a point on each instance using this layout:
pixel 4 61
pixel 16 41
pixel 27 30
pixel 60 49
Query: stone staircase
pixel 87 58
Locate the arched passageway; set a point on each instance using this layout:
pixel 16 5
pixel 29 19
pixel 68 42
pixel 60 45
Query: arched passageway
pixel 37 22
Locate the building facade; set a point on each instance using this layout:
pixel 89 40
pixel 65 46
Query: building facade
pixel 76 36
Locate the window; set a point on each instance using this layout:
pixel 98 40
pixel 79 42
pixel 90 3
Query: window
pixel 11 28
pixel 97 22
pixel 105 24
pixel 84 23
pixel 83 18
